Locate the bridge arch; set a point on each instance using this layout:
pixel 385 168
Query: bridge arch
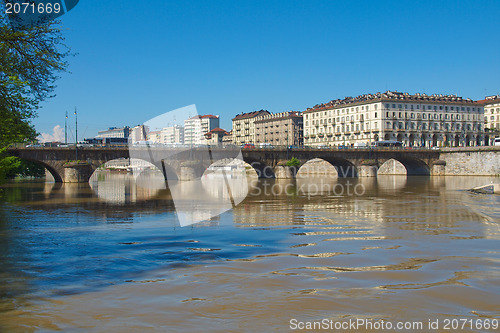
pixel 55 170
pixel 344 167
pixel 410 166
pixel 317 167
pixel 262 169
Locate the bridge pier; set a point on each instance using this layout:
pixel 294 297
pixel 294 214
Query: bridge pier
pixel 438 168
pixel 77 172
pixel 285 172
pixel 367 171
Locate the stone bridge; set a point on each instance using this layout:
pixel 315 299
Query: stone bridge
pixel 67 165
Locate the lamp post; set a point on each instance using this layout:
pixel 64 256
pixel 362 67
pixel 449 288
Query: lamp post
pixel 66 129
pixel 76 136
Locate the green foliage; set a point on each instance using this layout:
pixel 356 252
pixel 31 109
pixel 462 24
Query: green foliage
pixel 11 166
pixel 293 162
pixel 30 58
pixel 7 164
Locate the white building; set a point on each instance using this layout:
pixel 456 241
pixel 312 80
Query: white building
pixel 196 127
pixel 415 120
pixel 139 133
pixel 172 135
pixel 492 112
pixel 114 132
pixel 154 137
pixel 491 117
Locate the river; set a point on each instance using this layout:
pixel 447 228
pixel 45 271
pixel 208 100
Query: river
pixel 112 257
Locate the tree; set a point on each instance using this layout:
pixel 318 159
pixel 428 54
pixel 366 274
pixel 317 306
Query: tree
pixel 30 59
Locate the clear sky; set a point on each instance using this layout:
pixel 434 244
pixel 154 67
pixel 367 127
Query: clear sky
pixel 138 59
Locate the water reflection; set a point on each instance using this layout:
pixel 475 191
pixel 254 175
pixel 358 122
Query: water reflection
pixel 123 188
pixel 404 248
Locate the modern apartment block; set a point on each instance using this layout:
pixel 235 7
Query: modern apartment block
pixel 279 129
pixel 196 127
pixel 415 120
pixel 139 133
pixel 172 135
pixel 244 126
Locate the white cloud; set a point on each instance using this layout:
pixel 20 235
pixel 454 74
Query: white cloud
pixel 56 136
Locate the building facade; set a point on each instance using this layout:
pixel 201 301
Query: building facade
pixel 114 132
pixel 491 118
pixel 279 129
pixel 418 120
pixel 172 135
pixel 139 133
pixel 244 126
pixel 196 127
pixel 216 136
pixel 492 112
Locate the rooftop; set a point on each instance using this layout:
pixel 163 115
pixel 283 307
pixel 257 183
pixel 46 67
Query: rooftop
pixel 251 114
pixel 490 100
pixel 391 95
pixel 204 116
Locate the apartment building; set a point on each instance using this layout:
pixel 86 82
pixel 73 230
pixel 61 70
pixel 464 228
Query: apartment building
pixel 279 129
pixel 172 135
pixel 415 120
pixel 244 126
pixel 196 127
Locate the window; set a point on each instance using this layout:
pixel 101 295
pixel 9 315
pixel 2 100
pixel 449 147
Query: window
pixel 375 114
pixel 424 116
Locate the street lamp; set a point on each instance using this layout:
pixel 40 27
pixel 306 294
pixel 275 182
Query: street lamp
pixel 76 136
pixel 66 129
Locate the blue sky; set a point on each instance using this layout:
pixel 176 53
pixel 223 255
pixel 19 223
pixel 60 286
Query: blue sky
pixel 139 59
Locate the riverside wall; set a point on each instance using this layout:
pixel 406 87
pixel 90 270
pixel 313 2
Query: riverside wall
pixel 473 161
